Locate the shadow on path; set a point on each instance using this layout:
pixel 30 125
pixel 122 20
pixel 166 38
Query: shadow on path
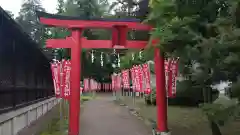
pixel 101 116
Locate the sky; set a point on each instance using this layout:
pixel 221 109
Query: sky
pixel 15 5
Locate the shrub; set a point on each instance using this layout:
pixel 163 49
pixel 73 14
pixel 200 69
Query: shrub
pixel 187 95
pixel 150 99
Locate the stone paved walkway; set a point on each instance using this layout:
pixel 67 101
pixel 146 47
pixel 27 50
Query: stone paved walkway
pixel 101 116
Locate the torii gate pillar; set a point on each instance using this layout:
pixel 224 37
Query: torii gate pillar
pixel 75 82
pixel 161 94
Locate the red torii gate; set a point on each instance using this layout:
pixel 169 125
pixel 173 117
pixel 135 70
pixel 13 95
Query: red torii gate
pixel 119 40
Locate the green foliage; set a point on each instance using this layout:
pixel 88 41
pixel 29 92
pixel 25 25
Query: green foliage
pixel 194 33
pixel 150 99
pixel 234 91
pixel 28 20
pixel 86 97
pixel 219 113
pixel 205 35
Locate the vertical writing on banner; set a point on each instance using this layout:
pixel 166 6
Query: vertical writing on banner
pixel 140 74
pixel 133 78
pixel 66 80
pixel 55 76
pixel 172 78
pixel 119 81
pixel 125 79
pixel 86 84
pixel 146 71
pixel 113 83
pixel 167 66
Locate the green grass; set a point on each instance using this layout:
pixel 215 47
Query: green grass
pixel 58 127
pixel 182 120
pixel 54 127
pixel 86 98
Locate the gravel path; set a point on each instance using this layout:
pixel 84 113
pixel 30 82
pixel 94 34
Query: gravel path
pixel 101 116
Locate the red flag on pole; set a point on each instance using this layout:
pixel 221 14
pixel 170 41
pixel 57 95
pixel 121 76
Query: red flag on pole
pixel 113 83
pixel 86 84
pixel 56 78
pixel 91 85
pixel 66 78
pixel 172 89
pixel 125 79
pixel 132 70
pixel 119 81
pixel 167 66
pixel 109 86
pixel 140 74
pixel 137 79
pixel 99 86
pixel 146 72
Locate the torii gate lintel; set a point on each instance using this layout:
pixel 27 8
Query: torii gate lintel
pixel 97 44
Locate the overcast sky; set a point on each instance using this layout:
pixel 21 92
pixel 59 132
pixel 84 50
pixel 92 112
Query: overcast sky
pixel 15 5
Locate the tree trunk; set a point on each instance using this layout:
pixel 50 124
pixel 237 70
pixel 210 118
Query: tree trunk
pixel 215 128
pixel 207 93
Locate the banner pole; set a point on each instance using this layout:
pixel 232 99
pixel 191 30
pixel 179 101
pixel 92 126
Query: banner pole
pixel 61 97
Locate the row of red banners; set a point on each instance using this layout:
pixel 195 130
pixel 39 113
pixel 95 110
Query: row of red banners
pixel 88 86
pixel 61 71
pixel 141 78
pixel 91 85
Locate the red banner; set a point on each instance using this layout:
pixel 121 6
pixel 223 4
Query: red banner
pixel 99 86
pixel 132 70
pixel 106 86
pixel 113 82
pixel 137 78
pixel 93 85
pixel 56 78
pixel 118 82
pixel 167 66
pixel 125 79
pixel 146 73
pixel 86 84
pixel 66 78
pixel 140 74
pixel 110 86
pixel 173 72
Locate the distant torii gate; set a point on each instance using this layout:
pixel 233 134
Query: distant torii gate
pixel 119 40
